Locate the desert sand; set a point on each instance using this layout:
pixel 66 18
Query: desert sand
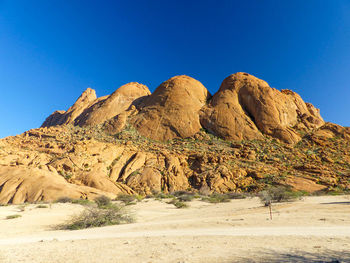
pixel 309 230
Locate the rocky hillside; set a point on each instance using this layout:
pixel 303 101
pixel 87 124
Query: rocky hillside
pixel 245 137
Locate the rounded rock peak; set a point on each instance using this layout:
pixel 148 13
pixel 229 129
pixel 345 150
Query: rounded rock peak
pixel 131 88
pixel 180 79
pixel 237 80
pixel 180 87
pixel 172 111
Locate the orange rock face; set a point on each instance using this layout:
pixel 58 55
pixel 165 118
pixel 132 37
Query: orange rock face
pixel 119 101
pixel 26 184
pixel 89 110
pixel 102 146
pixel 172 111
pixel 246 107
pixel 86 99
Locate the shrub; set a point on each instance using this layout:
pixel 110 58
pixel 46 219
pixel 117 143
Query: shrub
pixel 217 198
pixel 180 193
pixel 186 197
pixel 103 201
pixel 161 195
pixel 276 195
pixel 41 206
pixel 13 216
pixel 126 199
pixel 180 204
pixel 98 217
pixel 82 202
pixel 64 199
pixel 234 195
pixel 73 201
pixel 177 204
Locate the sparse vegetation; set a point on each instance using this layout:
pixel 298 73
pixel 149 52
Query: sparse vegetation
pixel 64 199
pixel 217 198
pixel 73 201
pixel 13 216
pixel 126 199
pixel 276 195
pixel 41 206
pixel 105 215
pixel 161 195
pixel 103 201
pixel 178 204
pixel 81 201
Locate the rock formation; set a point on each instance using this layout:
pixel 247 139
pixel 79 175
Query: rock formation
pixel 245 107
pixel 21 184
pixel 119 101
pixel 172 111
pixel 85 100
pixel 133 142
pixel 89 110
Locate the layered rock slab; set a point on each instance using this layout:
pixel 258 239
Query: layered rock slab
pixel 29 184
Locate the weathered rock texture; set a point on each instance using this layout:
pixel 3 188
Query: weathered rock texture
pixel 245 107
pixel 119 101
pixel 27 184
pixel 85 100
pixel 89 110
pixel 117 149
pixel 172 111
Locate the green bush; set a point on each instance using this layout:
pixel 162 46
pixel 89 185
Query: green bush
pixel 41 206
pixel 126 199
pixel 162 195
pixel 180 204
pixel 98 217
pixel 276 195
pixel 177 203
pixel 64 199
pixel 13 216
pixel 73 201
pixel 186 197
pixel 81 201
pixel 234 195
pixel 103 201
pixel 217 198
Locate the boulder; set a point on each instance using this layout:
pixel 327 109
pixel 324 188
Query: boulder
pixel 146 182
pixel 172 111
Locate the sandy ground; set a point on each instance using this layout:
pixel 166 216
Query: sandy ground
pixel 315 229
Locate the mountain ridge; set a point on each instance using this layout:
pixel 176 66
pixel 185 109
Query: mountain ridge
pixel 245 137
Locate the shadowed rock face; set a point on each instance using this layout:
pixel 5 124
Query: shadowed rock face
pixel 172 111
pixel 246 107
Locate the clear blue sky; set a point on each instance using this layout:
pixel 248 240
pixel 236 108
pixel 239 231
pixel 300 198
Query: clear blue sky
pixel 51 51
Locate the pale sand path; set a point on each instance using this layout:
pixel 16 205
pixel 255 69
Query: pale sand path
pixel 317 228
